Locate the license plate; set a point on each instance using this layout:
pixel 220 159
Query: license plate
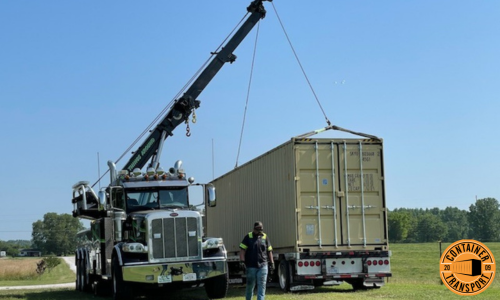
pixel 164 278
pixel 189 277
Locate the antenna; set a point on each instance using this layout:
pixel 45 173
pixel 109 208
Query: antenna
pixel 98 170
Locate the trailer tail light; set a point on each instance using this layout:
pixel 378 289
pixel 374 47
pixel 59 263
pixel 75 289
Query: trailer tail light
pixel 381 262
pixel 386 262
pixel 369 262
pixel 311 263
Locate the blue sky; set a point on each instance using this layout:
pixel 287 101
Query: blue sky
pixel 79 78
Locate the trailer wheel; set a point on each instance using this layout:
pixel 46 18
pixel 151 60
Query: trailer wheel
pixel 360 285
pixel 216 287
pixel 318 283
pixel 357 284
pixel 284 275
pixel 120 290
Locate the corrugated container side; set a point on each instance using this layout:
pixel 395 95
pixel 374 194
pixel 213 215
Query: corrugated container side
pixel 260 190
pixel 311 194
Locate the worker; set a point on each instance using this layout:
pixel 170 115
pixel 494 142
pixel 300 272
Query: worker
pixel 256 255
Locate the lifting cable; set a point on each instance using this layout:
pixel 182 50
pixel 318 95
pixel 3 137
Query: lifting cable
pixel 248 93
pixel 172 102
pixel 300 64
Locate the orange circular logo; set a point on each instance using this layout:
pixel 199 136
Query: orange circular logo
pixel 467 267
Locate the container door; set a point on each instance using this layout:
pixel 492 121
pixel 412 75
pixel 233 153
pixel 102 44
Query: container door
pixel 362 205
pixel 316 169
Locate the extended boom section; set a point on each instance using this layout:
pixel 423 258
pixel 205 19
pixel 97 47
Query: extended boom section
pixel 184 106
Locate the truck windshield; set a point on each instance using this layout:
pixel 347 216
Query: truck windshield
pixel 156 199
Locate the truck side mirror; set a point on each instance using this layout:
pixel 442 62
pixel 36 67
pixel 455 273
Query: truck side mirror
pixel 102 198
pixel 210 195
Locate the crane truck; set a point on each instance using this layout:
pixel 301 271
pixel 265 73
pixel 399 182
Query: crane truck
pixel 143 232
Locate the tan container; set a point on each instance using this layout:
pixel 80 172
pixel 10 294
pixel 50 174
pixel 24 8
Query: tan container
pixel 311 194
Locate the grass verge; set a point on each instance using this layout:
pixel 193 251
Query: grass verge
pixel 22 271
pixel 415 270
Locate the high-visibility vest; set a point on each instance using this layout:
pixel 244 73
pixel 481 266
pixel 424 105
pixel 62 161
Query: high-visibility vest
pixel 250 235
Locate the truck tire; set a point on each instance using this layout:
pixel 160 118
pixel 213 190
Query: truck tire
pixel 81 275
pixel 284 275
pixel 120 290
pixel 86 285
pixel 216 287
pixel 78 285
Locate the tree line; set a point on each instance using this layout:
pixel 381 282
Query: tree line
pixel 54 235
pixel 416 225
pixel 13 247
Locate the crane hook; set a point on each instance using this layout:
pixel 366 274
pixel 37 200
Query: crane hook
pixel 188 130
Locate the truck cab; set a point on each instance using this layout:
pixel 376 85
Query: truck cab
pixel 145 232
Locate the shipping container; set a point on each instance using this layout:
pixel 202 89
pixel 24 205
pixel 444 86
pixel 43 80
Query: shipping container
pixel 471 267
pixel 318 198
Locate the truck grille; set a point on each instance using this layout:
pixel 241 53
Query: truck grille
pixel 174 238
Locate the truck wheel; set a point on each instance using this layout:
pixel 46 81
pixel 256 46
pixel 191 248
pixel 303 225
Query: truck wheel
pixel 81 275
pixel 86 286
pixel 78 286
pixel 120 290
pixel 216 287
pixel 284 275
pixel 96 289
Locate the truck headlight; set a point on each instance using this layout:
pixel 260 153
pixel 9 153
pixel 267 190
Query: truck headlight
pixel 134 248
pixel 212 243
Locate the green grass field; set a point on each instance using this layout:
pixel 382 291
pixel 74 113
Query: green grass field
pixel 27 266
pixel 415 270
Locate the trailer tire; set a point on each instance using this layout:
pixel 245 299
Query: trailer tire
pixel 120 290
pixel 358 285
pixel 216 287
pixel 318 282
pixel 284 275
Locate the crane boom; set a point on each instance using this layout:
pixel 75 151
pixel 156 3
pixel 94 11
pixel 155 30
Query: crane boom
pixel 184 106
